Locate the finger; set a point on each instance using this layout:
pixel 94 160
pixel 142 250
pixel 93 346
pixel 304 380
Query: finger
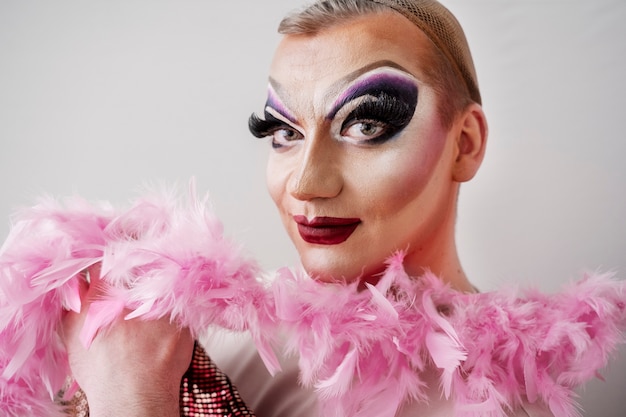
pixel 70 325
pixel 97 286
pixel 93 273
pixel 84 280
pixel 83 287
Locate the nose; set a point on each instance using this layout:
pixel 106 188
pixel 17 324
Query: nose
pixel 318 173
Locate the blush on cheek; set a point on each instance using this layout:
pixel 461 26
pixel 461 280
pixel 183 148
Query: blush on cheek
pixel 277 179
pixel 273 181
pixel 409 170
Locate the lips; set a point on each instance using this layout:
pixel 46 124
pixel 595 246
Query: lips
pixel 326 230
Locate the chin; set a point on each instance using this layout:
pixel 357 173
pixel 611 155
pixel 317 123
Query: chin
pixel 329 273
pixel 340 263
pixel 345 274
pixel 328 276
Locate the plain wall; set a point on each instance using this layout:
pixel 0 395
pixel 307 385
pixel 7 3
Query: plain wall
pixel 98 98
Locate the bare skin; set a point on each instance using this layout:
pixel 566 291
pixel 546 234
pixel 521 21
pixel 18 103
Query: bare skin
pixel 134 369
pixel 404 190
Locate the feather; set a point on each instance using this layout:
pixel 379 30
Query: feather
pixel 366 352
pixel 100 315
pixel 158 258
pixel 339 382
pixel 495 350
pixel 382 302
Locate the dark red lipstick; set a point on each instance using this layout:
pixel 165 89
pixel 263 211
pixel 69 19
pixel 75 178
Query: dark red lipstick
pixel 326 230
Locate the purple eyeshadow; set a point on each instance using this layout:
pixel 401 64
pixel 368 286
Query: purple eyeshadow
pixel 274 102
pixel 376 85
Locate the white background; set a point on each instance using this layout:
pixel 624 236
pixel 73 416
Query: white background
pixel 98 98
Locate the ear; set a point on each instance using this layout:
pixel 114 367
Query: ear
pixel 471 142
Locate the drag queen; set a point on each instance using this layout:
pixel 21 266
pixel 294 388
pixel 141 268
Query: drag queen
pixel 374 116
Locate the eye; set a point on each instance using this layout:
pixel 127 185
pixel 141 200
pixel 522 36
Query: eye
pixel 364 130
pixel 376 120
pixel 282 133
pixel 285 136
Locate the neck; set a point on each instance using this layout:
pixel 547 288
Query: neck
pixel 439 255
pixel 447 267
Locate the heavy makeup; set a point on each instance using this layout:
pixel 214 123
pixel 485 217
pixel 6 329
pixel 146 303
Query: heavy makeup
pixel 374 108
pixel 360 165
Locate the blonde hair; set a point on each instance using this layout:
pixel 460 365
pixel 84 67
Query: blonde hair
pixel 452 91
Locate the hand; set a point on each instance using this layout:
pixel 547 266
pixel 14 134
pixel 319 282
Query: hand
pixel 132 369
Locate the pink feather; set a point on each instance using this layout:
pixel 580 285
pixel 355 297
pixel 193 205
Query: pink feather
pixel 359 348
pixel 495 350
pixel 159 258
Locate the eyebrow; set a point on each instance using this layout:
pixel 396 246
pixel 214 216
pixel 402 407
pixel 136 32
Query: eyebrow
pixel 279 90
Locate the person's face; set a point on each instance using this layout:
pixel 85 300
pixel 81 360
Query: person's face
pixel 360 165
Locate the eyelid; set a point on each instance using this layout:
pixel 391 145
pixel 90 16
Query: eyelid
pixel 272 121
pixel 387 78
pixel 282 121
pixel 277 115
pixel 346 111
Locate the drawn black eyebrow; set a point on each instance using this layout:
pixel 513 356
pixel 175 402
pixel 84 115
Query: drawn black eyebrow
pixel 338 85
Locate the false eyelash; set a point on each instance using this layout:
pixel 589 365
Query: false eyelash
pixel 385 108
pixel 390 110
pixel 262 128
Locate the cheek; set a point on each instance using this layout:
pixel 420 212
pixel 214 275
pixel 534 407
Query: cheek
pixel 274 181
pixel 403 175
pixel 278 175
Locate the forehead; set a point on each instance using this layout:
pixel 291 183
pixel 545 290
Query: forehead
pixel 314 62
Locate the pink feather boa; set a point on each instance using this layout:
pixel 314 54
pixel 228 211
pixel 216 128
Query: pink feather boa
pixel 158 258
pixel 364 351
